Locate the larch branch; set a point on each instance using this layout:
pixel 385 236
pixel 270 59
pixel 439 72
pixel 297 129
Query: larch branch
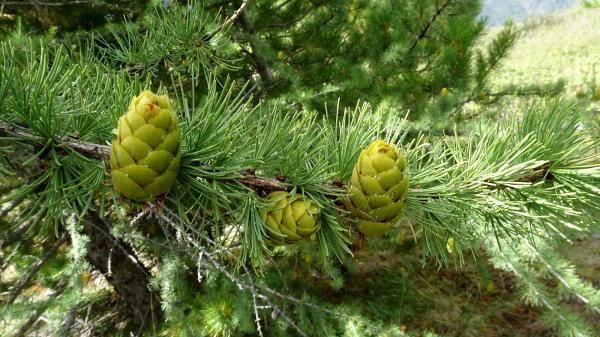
pixel 92 150
pixel 35 268
pixel 236 15
pixel 427 26
pixel 26 327
pixel 247 177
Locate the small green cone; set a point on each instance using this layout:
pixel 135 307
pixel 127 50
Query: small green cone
pixel 378 187
pixel 145 157
pixel 290 218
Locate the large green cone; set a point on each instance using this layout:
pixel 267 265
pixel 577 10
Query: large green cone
pixel 290 218
pixel 145 157
pixel 378 188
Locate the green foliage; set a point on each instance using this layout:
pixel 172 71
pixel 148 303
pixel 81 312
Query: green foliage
pixel 65 16
pixel 351 50
pixel 591 3
pixel 529 260
pixel 513 188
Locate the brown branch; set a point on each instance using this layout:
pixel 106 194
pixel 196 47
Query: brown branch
pixel 117 261
pixel 24 329
pixel 23 281
pixel 231 20
pixel 92 150
pixel 18 232
pixel 427 26
pixel 102 152
pixel 265 72
pixel 236 15
pixel 10 205
pixel 250 179
pixel 539 174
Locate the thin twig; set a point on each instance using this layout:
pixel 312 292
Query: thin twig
pixel 247 284
pixel 167 216
pixel 23 281
pixel 69 320
pixel 562 280
pixel 540 173
pixel 40 311
pixel 427 26
pixel 18 232
pixel 9 206
pixel 247 177
pixel 236 15
pixel 231 20
pixel 263 183
pixel 92 150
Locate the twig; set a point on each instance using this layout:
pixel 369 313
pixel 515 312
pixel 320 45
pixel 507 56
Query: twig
pixel 9 206
pixel 23 281
pixel 18 232
pixel 129 277
pixel 39 312
pixel 236 15
pixel 98 151
pixel 538 174
pixel 425 29
pixel 263 183
pixel 69 320
pixel 167 216
pixel 231 20
pixel 562 280
pixel 247 284
pixel 92 150
pixel 247 177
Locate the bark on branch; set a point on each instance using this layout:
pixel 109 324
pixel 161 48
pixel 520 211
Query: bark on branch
pixel 236 15
pixel 248 177
pixel 35 268
pixel 117 261
pixel 91 150
pixel 425 29
pixel 31 321
pixel 231 20
pixel 265 72
pixel 18 232
pixel 102 152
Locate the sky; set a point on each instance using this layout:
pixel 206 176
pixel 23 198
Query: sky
pixel 498 11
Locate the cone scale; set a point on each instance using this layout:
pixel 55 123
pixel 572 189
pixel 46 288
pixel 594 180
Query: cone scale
pixel 145 157
pixel 378 188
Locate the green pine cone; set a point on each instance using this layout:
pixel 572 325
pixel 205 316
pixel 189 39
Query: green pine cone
pixel 378 188
pixel 290 218
pixel 145 157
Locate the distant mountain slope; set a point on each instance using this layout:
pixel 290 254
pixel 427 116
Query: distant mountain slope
pixel 498 11
pixel 562 45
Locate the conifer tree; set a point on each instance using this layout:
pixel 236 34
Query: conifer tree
pixel 349 50
pixel 260 204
